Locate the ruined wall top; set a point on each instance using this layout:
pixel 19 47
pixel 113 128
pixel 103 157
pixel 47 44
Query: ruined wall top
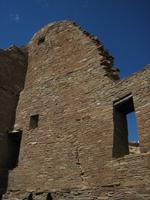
pixel 13 66
pixel 64 40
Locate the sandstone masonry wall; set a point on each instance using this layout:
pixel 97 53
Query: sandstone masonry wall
pixel 74 139
pixel 13 63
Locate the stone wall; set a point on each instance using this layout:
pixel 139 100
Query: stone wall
pixel 13 64
pixel 67 115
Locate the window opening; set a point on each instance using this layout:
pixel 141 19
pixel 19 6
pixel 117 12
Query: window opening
pixel 14 141
pixel 123 111
pixel 41 40
pixel 34 121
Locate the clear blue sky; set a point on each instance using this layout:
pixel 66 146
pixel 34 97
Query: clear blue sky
pixel 122 25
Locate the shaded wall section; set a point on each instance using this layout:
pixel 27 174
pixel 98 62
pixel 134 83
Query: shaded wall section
pixel 13 65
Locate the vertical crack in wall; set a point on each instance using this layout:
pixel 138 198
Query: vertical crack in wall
pixel 78 162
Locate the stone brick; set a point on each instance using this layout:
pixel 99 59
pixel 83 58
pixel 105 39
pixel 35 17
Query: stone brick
pixel 67 152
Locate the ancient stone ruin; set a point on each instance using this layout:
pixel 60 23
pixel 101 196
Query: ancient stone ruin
pixel 63 124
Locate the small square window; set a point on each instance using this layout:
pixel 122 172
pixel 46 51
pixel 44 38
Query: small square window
pixel 41 40
pixel 34 121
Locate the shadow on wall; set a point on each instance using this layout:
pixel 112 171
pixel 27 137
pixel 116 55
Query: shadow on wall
pixel 3 159
pixel 9 154
pixel 3 181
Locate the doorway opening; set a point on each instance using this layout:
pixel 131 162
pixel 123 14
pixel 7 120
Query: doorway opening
pixel 124 119
pixel 14 141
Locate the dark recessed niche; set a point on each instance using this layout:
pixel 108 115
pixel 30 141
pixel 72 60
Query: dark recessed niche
pixel 49 197
pixel 34 119
pixel 14 141
pixel 41 40
pixel 30 197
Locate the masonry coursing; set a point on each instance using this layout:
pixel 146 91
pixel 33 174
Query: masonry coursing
pixel 71 84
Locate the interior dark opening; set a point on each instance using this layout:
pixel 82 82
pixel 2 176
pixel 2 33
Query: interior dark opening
pixel 121 109
pixel 34 121
pixel 49 197
pixel 30 197
pixel 41 40
pixel 14 141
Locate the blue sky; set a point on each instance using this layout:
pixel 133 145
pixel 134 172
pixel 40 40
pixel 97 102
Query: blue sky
pixel 132 127
pixel 122 25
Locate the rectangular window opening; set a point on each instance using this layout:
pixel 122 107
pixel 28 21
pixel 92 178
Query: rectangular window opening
pixel 14 141
pixel 33 121
pixel 125 139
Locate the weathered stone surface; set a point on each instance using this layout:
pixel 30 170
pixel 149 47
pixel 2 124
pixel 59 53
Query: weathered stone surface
pixel 75 147
pixel 13 64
